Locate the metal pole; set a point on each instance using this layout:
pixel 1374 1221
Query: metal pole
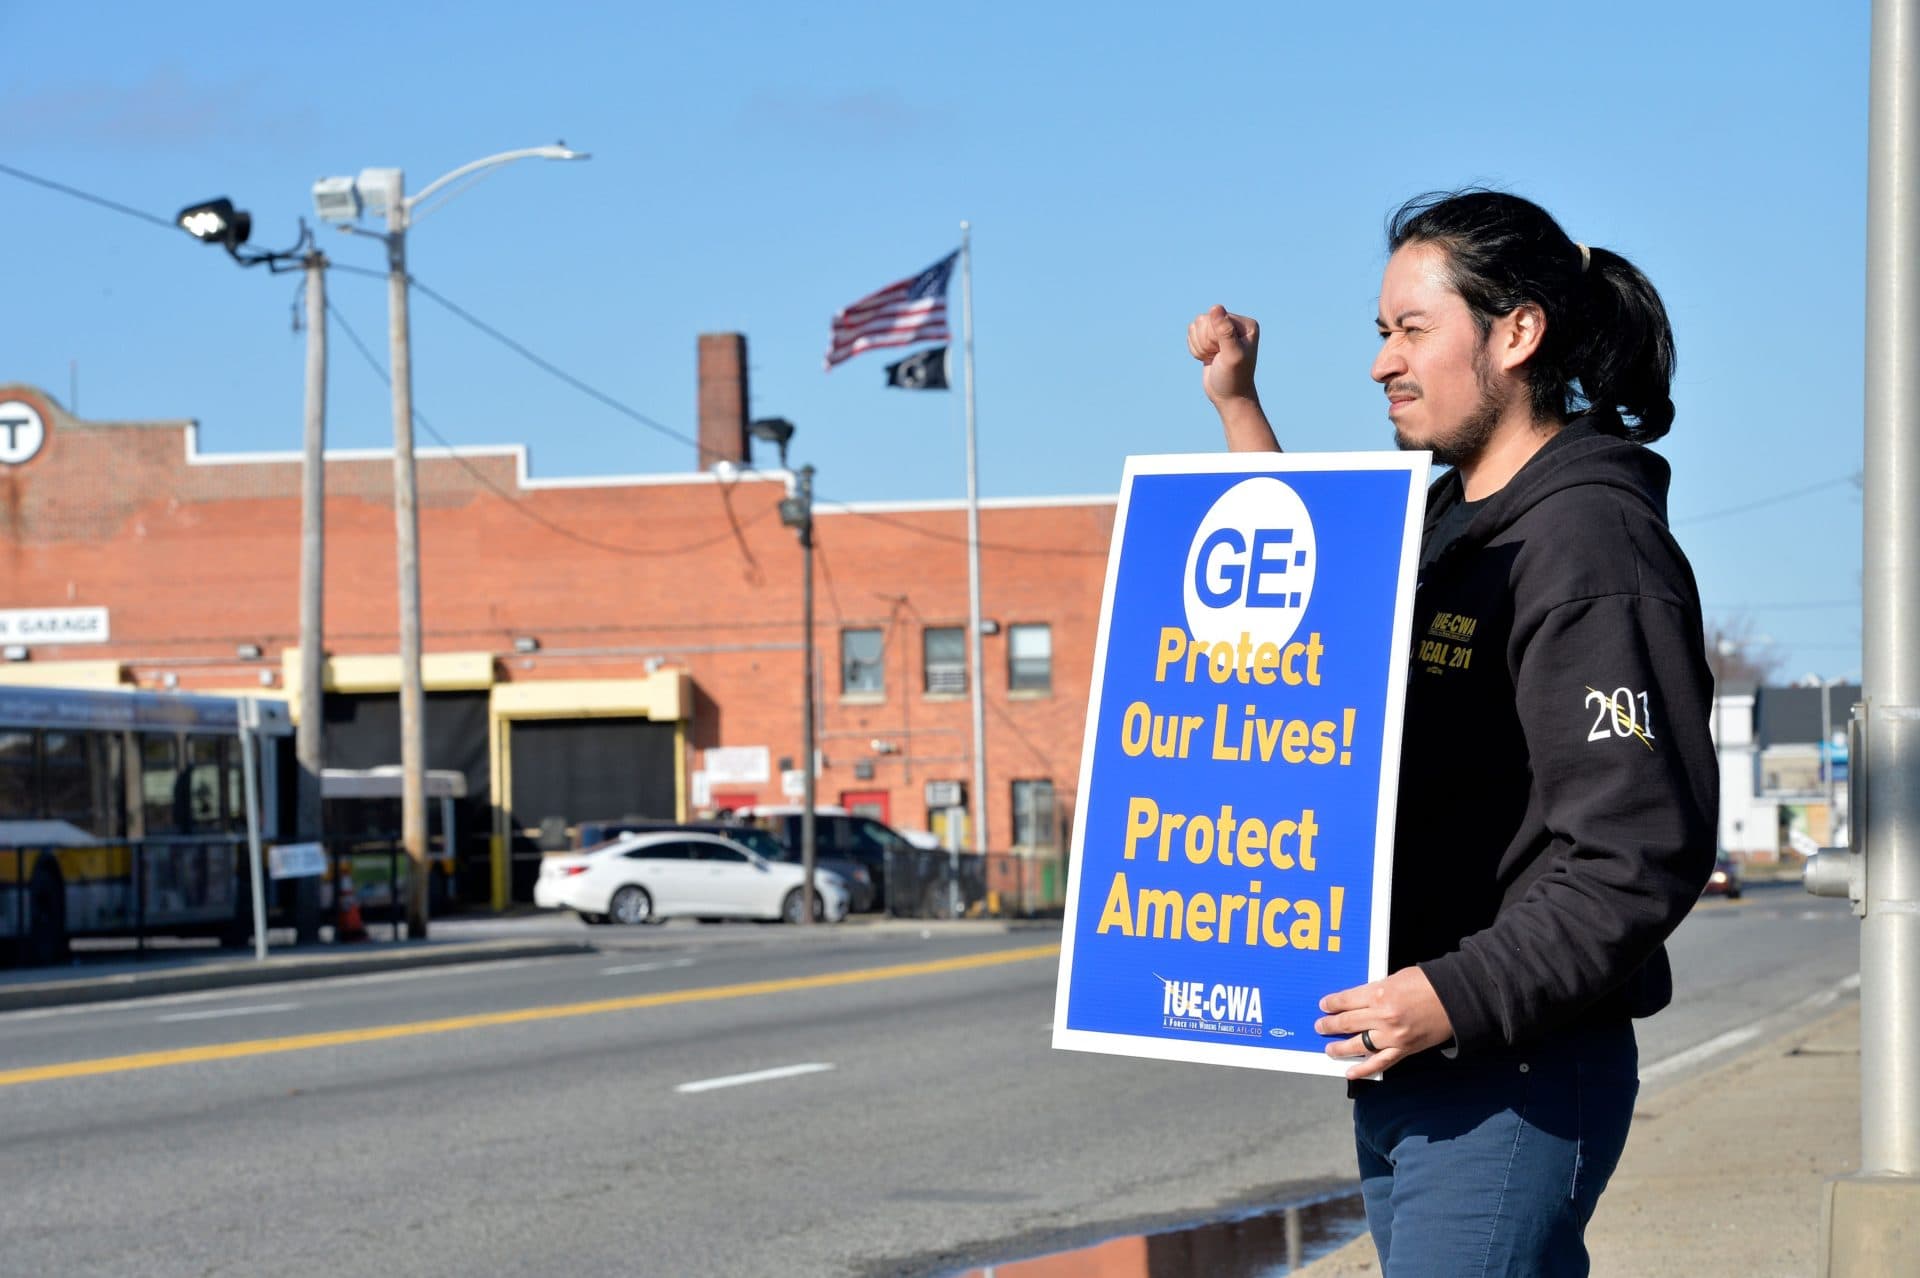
pixel 413 746
pixel 973 557
pixel 808 727
pixel 1866 1220
pixel 1890 931
pixel 310 744
pixel 249 720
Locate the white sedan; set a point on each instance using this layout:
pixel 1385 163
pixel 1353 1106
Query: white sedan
pixel 649 877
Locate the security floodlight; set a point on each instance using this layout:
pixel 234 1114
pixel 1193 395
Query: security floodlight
pixel 526 644
pixel 336 199
pixel 16 652
pixel 776 431
pixel 379 190
pixel 247 651
pixel 216 222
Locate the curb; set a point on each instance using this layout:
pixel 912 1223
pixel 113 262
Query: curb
pixel 228 975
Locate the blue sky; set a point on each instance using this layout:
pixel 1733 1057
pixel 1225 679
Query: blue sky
pixel 758 166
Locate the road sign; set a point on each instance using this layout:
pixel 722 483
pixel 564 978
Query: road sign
pixel 296 861
pixel 1234 853
pixel 946 794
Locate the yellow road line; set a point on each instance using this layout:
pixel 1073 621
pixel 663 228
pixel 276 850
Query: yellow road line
pixel 521 1016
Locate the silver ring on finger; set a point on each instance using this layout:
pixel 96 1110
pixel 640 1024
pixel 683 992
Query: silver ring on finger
pixel 1366 1041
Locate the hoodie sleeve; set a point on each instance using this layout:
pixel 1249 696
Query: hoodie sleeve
pixel 1613 696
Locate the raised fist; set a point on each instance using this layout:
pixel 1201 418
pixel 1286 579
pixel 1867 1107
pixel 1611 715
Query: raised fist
pixel 1228 345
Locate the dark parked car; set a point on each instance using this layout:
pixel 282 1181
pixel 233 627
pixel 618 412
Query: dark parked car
pixel 909 881
pixel 1725 880
pixel 862 891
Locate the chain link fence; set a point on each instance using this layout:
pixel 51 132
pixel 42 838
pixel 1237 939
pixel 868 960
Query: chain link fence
pixel 923 883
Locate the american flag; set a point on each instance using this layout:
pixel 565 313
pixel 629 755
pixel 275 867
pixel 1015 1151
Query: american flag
pixel 912 310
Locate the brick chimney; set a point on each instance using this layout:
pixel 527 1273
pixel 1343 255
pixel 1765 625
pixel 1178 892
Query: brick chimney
pixel 723 399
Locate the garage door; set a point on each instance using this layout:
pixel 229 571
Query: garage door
pixel 576 770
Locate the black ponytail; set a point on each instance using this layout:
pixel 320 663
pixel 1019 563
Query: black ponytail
pixel 1608 347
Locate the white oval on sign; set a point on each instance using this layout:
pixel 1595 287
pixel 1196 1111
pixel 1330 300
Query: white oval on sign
pixel 21 432
pixel 1251 565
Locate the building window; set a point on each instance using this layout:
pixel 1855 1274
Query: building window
pixel 1030 658
pixel 1033 825
pixel 946 659
pixel 861 656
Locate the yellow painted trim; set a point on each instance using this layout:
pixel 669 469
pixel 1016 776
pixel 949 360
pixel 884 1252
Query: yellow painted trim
pixel 502 791
pixel 380 672
pixel 680 770
pixel 664 696
pixel 521 1016
pixel 64 674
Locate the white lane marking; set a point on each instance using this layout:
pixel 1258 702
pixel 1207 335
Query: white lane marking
pixel 1699 1052
pixel 627 968
pixel 261 1009
pixel 1684 1060
pixel 272 987
pixel 758 1076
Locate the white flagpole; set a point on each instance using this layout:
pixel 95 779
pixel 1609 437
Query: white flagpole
pixel 978 685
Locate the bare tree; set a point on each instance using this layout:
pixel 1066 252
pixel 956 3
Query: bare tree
pixel 1736 654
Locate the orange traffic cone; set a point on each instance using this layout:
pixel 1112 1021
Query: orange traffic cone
pixel 347 924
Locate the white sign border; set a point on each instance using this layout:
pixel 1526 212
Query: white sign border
pixel 1418 467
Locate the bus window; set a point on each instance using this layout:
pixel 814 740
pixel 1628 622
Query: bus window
pixel 17 798
pixel 110 773
pixel 162 786
pixel 205 783
pixel 67 767
pixel 236 786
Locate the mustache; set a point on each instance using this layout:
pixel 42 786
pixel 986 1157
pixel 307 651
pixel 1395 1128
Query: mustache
pixel 1402 386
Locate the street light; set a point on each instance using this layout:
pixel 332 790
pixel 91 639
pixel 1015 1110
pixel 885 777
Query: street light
pixel 776 431
pixel 216 221
pixel 796 512
pixel 341 201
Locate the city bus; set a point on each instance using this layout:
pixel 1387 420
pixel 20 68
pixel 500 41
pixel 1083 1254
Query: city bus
pixel 124 814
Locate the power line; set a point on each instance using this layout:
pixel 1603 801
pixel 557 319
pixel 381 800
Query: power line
pixel 732 533
pixel 555 370
pixel 1776 499
pixel 628 411
pixel 78 194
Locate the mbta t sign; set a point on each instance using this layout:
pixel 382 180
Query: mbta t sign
pixel 22 432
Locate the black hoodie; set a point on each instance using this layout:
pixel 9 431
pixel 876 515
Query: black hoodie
pixel 1558 782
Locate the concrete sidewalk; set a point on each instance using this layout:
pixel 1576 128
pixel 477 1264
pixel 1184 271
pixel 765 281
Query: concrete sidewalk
pixel 1723 1172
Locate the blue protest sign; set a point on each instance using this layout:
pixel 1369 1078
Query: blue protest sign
pixel 1233 856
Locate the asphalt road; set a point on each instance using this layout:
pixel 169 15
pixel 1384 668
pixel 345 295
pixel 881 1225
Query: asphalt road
pixel 589 1115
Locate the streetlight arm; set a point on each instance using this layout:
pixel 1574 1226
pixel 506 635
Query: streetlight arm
pixel 414 201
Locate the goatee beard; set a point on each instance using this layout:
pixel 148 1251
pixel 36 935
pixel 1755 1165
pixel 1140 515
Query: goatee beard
pixel 1467 440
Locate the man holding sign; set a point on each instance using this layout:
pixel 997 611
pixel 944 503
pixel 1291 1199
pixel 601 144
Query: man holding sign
pixel 1557 786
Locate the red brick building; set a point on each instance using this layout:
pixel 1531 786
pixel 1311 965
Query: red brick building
pixel 595 647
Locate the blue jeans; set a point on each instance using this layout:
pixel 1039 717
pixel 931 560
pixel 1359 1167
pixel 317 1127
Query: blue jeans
pixel 1494 1165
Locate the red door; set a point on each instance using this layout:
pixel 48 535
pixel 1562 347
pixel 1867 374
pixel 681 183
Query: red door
pixel 867 803
pixel 733 800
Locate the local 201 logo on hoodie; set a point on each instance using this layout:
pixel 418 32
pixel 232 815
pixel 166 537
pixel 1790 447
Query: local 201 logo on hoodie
pixel 1250 568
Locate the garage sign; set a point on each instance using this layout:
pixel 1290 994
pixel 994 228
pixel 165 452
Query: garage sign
pixel 1234 855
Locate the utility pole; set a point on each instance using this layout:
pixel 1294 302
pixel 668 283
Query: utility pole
pixel 310 745
pixel 1867 1219
pixel 799 512
pixel 406 513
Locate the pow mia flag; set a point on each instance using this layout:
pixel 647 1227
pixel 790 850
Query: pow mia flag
pixel 923 370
